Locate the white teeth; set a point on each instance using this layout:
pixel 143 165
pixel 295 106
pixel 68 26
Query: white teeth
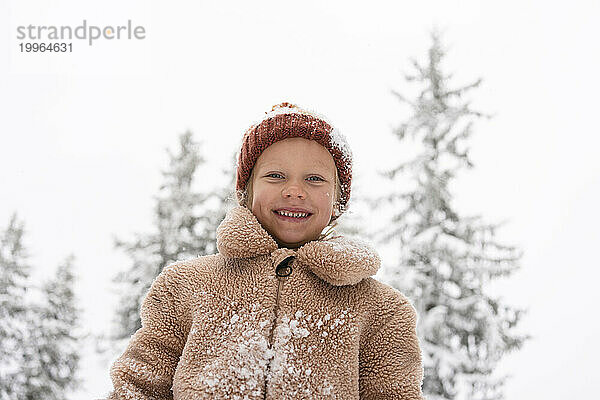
pixel 291 214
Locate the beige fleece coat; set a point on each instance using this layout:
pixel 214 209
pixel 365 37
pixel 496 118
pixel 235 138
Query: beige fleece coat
pixel 226 326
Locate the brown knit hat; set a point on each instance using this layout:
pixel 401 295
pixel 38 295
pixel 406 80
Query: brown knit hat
pixel 286 121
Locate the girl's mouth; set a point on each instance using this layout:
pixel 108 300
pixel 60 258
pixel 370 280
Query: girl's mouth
pixel 292 216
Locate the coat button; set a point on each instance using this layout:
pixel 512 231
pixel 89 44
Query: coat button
pixel 284 269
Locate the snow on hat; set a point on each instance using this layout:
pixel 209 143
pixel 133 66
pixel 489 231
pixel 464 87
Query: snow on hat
pixel 285 121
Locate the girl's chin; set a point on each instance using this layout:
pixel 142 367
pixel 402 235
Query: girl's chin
pixel 292 241
pixel 291 245
pixel 293 234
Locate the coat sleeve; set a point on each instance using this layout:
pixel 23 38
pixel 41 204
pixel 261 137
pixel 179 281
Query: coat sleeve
pixel 390 361
pixel 145 370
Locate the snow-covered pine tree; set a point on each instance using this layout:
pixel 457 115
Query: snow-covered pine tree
pixel 51 356
pixel 224 195
pixel 14 277
pixel 446 259
pixel 185 222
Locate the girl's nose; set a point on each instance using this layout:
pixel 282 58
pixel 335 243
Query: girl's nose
pixel 294 191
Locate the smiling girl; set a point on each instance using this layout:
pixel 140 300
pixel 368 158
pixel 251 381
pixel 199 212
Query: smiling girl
pixel 282 311
pixel 292 186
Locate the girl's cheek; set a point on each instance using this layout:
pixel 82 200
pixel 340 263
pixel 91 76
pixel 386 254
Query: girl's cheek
pixel 328 198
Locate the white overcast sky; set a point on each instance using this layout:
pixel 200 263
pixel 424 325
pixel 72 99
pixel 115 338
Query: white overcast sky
pixel 83 134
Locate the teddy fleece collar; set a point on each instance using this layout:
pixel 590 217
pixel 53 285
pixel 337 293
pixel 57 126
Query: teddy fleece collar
pixel 338 260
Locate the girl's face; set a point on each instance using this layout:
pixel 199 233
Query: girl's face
pixel 296 176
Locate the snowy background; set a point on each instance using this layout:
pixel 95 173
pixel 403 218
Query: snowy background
pixel 83 135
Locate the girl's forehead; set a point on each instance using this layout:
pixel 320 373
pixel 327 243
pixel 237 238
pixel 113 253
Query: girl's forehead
pixel 295 150
pixel 302 164
pixel 297 154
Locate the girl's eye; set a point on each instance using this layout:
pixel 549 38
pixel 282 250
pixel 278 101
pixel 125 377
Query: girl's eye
pixel 274 173
pixel 277 175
